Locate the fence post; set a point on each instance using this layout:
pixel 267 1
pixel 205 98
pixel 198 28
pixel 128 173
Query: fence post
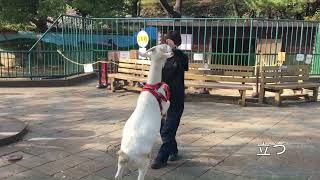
pixel 91 40
pixel 250 39
pixel 29 65
pixel 204 41
pixel 63 49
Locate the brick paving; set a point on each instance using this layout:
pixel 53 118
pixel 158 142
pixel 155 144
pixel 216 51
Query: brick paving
pixel 74 133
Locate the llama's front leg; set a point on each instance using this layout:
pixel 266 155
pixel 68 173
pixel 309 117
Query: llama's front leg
pixel 143 169
pixel 119 173
pixel 165 107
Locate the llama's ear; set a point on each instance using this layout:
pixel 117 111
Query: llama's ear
pixel 168 55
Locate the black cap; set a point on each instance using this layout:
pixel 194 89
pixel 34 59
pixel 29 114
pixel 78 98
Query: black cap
pixel 174 36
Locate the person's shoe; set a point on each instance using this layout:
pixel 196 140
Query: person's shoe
pixel 158 165
pixel 173 157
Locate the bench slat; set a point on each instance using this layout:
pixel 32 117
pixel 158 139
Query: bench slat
pixel 135 61
pixel 292 85
pixel 134 66
pixel 289 67
pixel 237 73
pixel 133 71
pixel 202 72
pixel 214 85
pixel 222 67
pixel 292 73
pixel 219 78
pixel 127 77
pixel 285 79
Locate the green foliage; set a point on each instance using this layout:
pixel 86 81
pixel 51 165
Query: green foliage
pixel 4 26
pixel 281 8
pixel 20 13
pixel 315 17
pixel 52 8
pixel 16 11
pixel 99 8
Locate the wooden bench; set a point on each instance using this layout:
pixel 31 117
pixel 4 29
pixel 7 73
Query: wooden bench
pixel 212 77
pixel 131 71
pixel 215 76
pixel 277 78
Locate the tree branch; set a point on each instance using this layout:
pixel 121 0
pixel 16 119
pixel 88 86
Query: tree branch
pixel 41 23
pixel 178 6
pixel 235 8
pixel 169 10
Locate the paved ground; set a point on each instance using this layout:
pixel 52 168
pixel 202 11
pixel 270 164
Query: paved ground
pixel 75 131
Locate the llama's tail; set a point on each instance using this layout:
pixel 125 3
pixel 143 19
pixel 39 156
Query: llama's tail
pixel 123 157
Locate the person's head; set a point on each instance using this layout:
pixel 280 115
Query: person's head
pixel 172 38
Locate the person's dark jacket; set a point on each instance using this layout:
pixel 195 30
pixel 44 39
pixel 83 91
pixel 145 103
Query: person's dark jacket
pixel 173 75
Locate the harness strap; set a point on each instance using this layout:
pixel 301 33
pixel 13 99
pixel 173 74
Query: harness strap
pixel 153 89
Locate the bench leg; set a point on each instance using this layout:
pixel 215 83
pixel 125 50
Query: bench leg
pixel 261 95
pixel 242 97
pixel 112 84
pixel 131 83
pixel 315 94
pixel 277 98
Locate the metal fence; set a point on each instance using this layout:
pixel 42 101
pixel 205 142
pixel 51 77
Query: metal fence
pixel 226 41
pixel 13 63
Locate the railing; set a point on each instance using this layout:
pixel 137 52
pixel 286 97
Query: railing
pixel 223 41
pixel 69 35
pixel 14 64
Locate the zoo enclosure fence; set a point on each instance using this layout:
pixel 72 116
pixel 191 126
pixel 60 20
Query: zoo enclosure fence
pixel 221 41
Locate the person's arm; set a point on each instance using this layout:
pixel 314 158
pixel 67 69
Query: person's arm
pixel 185 62
pixel 183 59
pixel 169 70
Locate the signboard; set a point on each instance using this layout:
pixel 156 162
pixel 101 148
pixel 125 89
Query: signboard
pixel 300 57
pixel 281 57
pixel 142 39
pixel 205 67
pixel 88 68
pixel 198 57
pixel 186 40
pixel 309 58
pixel 142 50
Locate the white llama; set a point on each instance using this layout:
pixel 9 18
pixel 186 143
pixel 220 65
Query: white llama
pixel 143 126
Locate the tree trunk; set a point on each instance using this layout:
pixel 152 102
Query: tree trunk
pixel 134 6
pixel 235 8
pixel 178 6
pixel 169 10
pixel 41 24
pixel 139 8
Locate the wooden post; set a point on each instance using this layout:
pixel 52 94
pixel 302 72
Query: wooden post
pixel 257 79
pixel 112 84
pixel 261 94
pixel 315 94
pixel 242 97
pixel 261 91
pixel 277 98
pixel 131 83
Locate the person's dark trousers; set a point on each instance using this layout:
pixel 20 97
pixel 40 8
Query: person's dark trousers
pixel 169 127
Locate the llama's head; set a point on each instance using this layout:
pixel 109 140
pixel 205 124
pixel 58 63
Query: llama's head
pixel 160 52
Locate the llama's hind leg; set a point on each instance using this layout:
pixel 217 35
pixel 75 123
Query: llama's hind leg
pixel 119 173
pixel 122 161
pixel 143 168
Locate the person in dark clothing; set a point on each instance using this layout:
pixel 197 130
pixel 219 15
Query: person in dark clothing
pixel 173 75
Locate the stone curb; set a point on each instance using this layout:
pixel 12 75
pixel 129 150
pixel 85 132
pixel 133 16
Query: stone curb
pixel 20 130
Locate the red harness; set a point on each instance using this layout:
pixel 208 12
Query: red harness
pixel 153 89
